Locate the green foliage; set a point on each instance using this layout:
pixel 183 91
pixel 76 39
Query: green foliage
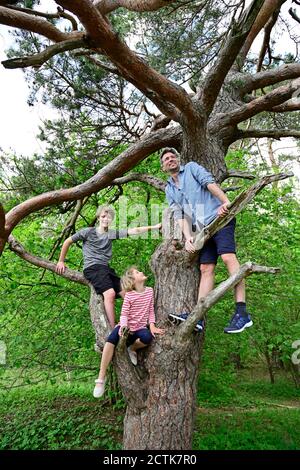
pixel 57 418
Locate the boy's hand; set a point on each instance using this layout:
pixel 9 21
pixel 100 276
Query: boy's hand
pixel 158 226
pixel 60 267
pixel 155 330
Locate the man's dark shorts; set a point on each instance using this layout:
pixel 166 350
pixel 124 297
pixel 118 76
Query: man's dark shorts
pixel 219 244
pixel 102 278
pixel 144 335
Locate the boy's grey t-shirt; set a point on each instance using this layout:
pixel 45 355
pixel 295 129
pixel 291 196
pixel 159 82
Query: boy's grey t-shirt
pixel 97 247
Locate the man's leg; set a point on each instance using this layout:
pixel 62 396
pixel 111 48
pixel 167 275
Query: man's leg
pixel 207 279
pixel 233 266
pixel 109 304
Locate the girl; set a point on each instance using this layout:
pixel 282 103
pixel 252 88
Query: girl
pixel 137 312
pixel 97 253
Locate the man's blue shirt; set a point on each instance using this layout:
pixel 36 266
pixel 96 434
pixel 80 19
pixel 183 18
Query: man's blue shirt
pixel 192 198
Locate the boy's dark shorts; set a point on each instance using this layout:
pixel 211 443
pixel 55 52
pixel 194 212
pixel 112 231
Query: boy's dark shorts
pixel 143 334
pixel 102 278
pixel 220 243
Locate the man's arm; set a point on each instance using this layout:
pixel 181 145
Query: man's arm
pixel 216 191
pixel 61 267
pixel 137 230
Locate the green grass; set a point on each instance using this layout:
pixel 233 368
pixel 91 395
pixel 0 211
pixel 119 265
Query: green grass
pixel 56 418
pixel 264 429
pixel 235 412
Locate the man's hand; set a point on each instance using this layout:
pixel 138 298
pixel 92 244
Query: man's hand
pixel 60 267
pixel 157 227
pixel 189 245
pixel 223 209
pixel 155 330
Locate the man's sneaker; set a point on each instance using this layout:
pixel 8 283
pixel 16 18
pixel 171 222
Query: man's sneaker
pixel 99 388
pixel 132 355
pixel 179 317
pixel 238 323
pixel 199 326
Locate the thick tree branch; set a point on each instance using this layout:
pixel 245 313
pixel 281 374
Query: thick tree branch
pixel 294 15
pixel 107 6
pixel 2 222
pixel 217 74
pixel 272 133
pixel 263 103
pixel 37 25
pixel 268 8
pixel 132 67
pixel 290 105
pixel 145 178
pixel 204 304
pixel 236 206
pixel 69 274
pixel 270 77
pixel 49 16
pixel 120 165
pixel 39 59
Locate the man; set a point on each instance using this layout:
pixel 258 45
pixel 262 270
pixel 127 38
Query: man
pixel 196 200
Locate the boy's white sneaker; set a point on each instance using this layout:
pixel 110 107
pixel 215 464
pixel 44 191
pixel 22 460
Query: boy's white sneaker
pixel 99 388
pixel 132 355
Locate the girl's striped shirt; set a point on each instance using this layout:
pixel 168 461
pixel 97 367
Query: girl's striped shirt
pixel 138 309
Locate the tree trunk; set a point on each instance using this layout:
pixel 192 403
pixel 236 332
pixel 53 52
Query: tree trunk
pixel 270 366
pixel 161 401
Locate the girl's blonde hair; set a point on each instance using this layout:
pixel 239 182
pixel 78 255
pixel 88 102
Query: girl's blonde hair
pixel 127 280
pixel 107 209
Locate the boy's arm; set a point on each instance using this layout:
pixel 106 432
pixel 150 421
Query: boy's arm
pixel 216 191
pixel 137 230
pixel 61 267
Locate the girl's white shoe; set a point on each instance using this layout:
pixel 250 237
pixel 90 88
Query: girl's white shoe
pixel 99 388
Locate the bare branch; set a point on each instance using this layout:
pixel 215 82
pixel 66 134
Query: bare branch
pixel 270 77
pixel 124 162
pixel 39 59
pixel 107 6
pixel 204 304
pixel 25 21
pixel 294 15
pixel 49 16
pixel 263 103
pixel 217 74
pixel 272 133
pixel 236 206
pixel 237 174
pixel 145 178
pixel 69 274
pixel 267 36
